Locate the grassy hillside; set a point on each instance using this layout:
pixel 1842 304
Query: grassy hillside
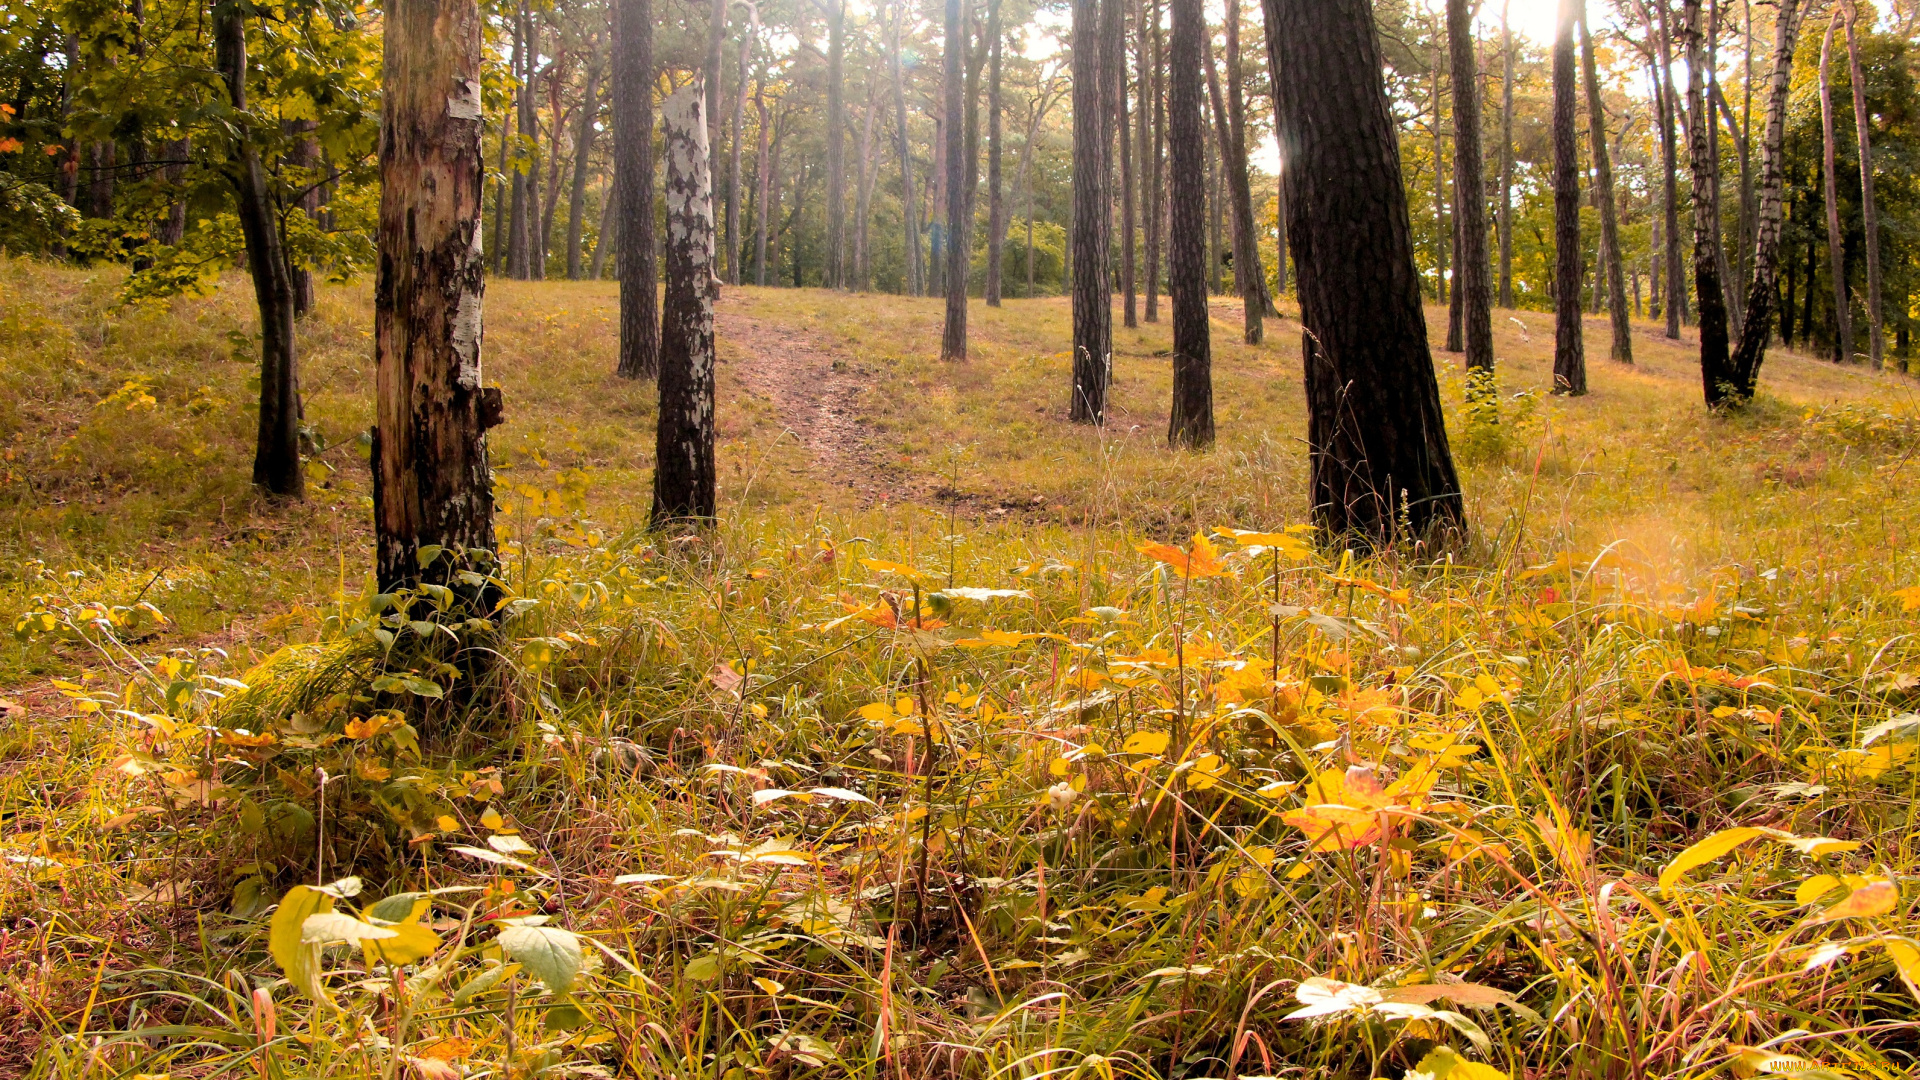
pixel 951 751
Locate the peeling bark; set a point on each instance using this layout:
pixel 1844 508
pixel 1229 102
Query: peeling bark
pixel 1762 289
pixel 684 475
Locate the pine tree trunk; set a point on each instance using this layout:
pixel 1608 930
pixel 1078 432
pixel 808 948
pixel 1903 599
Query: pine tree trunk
pixel 1215 202
pixel 1716 373
pixel 1762 288
pixel 909 214
pixel 633 75
pixel 1676 296
pixel 1190 420
pixel 1869 213
pixel 1243 196
pixel 1156 180
pixel 1506 160
pixel 276 456
pixel 1091 229
pixel 1377 442
pixel 763 183
pixel 836 149
pixel 953 339
pixel 1569 350
pixel 431 481
pixel 1143 134
pixel 532 255
pixel 582 166
pixel 1610 254
pixel 1252 328
pixel 1470 204
pixel 733 245
pixel 867 158
pixel 684 475
pixel 996 201
pixel 517 215
pixel 1836 241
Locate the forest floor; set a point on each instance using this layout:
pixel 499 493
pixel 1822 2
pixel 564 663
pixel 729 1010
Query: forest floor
pixel 927 760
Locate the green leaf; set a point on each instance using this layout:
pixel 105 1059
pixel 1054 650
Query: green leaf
pixel 483 982
pixel 427 554
pixel 298 960
pixel 549 953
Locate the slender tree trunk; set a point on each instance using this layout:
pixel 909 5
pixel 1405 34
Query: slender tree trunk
pixel 1670 162
pixel 937 207
pixel 582 167
pixel 1143 132
pixel 836 148
pixel 1569 350
pixel 608 237
pixel 1377 442
pixel 909 214
pixel 1870 216
pixel 431 483
pixel 1716 373
pixel 684 475
pixel 555 82
pixel 1216 203
pixel 1091 239
pixel 1248 274
pixel 764 184
pixel 1762 288
pixel 276 456
pixel 1156 187
pixel 1130 305
pixel 733 245
pixel 1253 328
pixel 1836 241
pixel 633 76
pixel 868 163
pixel 996 201
pixel 953 340
pixel 1190 421
pixel 517 219
pixel 1470 204
pixel 1610 253
pixel 1506 159
pixel 533 254
pixel 304 157
pixel 502 242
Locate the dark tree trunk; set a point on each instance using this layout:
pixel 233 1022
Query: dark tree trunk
pixel 1253 328
pixel 1117 51
pixel 1676 295
pixel 996 201
pixel 1144 207
pixel 1215 197
pixel 1092 231
pixel 1569 350
pixel 1610 253
pixel 1716 372
pixel 1763 288
pixel 304 157
pixel 1190 421
pixel 837 150
pixel 276 456
pixel 582 167
pixel 1870 216
pixel 1506 160
pixel 173 226
pixel 517 214
pixel 953 339
pixel 1836 242
pixel 684 475
pixel 734 248
pixel 1376 439
pixel 633 75
pixel 1471 270
pixel 1247 272
pixel 431 482
pixel 1156 180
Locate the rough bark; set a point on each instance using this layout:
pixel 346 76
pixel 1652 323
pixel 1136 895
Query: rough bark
pixel 1117 51
pixel 1676 296
pixel 1716 374
pixel 953 338
pixel 1870 216
pixel 1252 327
pixel 276 455
pixel 582 168
pixel 1091 229
pixel 501 234
pixel 684 476
pixel 1610 254
pixel 1156 180
pixel 1143 132
pixel 304 157
pixel 1506 160
pixel 1471 270
pixel 1190 421
pixel 431 482
pixel 1762 288
pixel 1569 350
pixel 1377 443
pixel 633 187
pixel 1249 278
pixel 837 147
pixel 996 200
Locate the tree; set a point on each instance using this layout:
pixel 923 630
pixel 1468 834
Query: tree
pixel 837 151
pixel 1117 53
pixel 1506 160
pixel 910 215
pixel 1610 251
pixel 1377 443
pixel 582 167
pixel 432 488
pixel 1869 213
pixel 1470 204
pixel 1190 421
pixel 633 187
pixel 733 246
pixel 276 455
pixel 1836 245
pixel 1709 294
pixel 1660 56
pixel 1249 278
pixel 1569 350
pixel 953 340
pixel 1762 289
pixel 996 203
pixel 1156 186
pixel 1091 232
pixel 684 475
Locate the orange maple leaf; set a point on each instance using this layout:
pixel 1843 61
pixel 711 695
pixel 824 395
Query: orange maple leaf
pixel 1199 561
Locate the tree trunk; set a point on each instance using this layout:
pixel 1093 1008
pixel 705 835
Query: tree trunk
pixel 1377 443
pixel 1092 232
pixel 867 162
pixel 502 234
pixel 909 214
pixel 1249 277
pixel 431 483
pixel 734 247
pixel 953 340
pixel 684 475
pixel 1610 253
pixel 1253 328
pixel 1569 351
pixel 996 202
pixel 555 82
pixel 1716 373
pixel 633 76
pixel 532 256
pixel 304 157
pixel 836 146
pixel 1869 214
pixel 1506 160
pixel 1670 162
pixel 1215 203
pixel 1143 132
pixel 1763 286
pixel 1156 187
pixel 608 237
pixel 1836 243
pixel 276 456
pixel 1117 51
pixel 1470 205
pixel 517 216
pixel 763 182
pixel 582 166
pixel 1190 421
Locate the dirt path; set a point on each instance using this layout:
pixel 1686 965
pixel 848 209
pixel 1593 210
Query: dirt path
pixel 817 392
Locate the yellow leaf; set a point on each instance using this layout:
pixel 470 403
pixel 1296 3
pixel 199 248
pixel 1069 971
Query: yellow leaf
pixel 878 712
pixel 446 823
pixel 1445 1063
pixel 492 819
pixel 1906 960
pixel 1469 699
pixel 1868 901
pixel 298 960
pixel 1206 773
pixel 1814 888
pixel 1199 561
pixel 1704 852
pixel 1146 742
pixel 1909 598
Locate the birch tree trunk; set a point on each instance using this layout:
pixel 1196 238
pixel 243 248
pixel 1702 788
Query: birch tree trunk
pixel 633 187
pixel 1190 420
pixel 1569 349
pixel 1716 374
pixel 1762 288
pixel 684 475
pixel 1471 269
pixel 432 487
pixel 1610 254
pixel 1870 216
pixel 1091 228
